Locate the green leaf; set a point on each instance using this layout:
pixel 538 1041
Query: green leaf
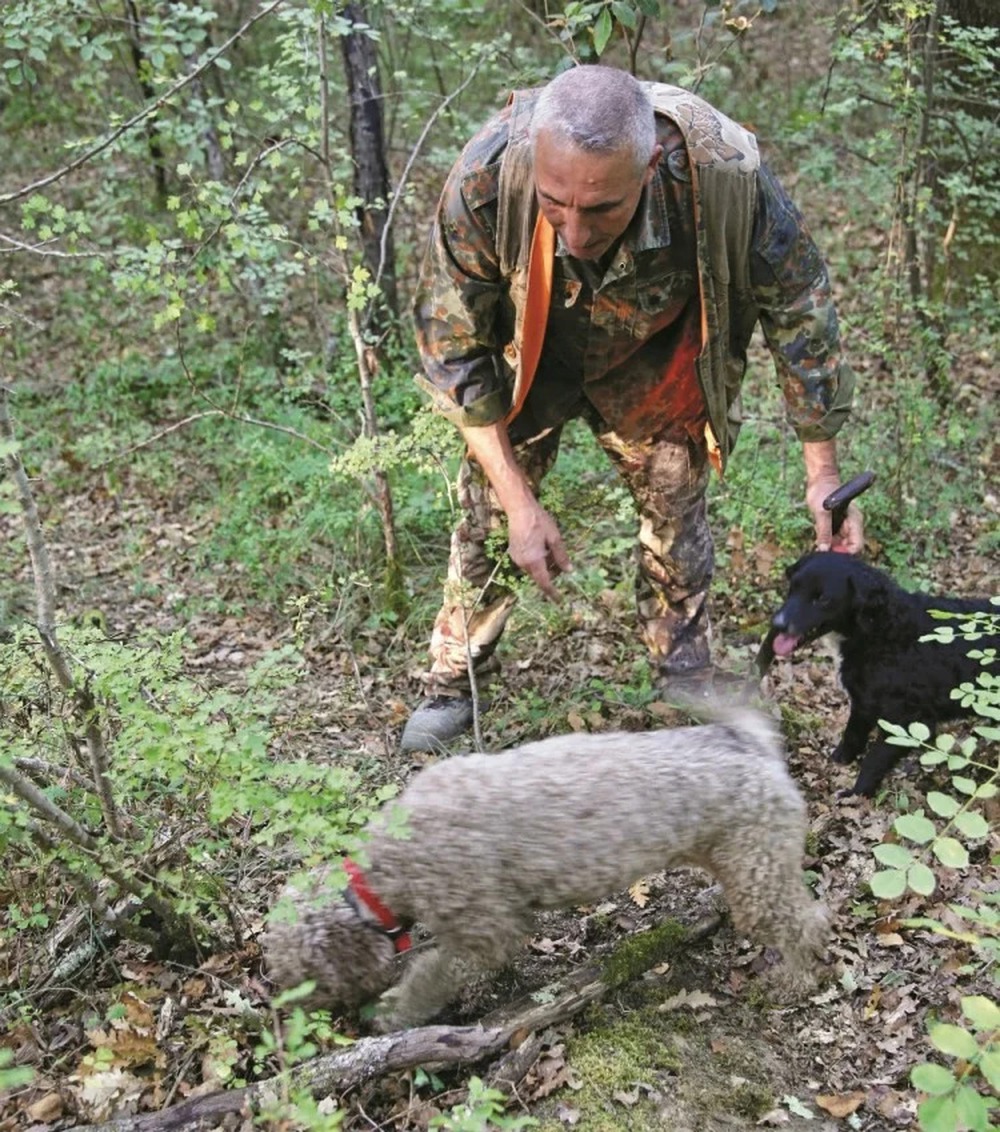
pixel 987 790
pixel 602 30
pixel 989 1066
pixel 624 14
pixel 990 733
pixel 937 1114
pixel 915 827
pixel 921 879
pixel 888 884
pixel 902 741
pixel 951 852
pixel 920 731
pixel 933 1079
pixel 892 855
pixel 943 804
pixel 981 1011
pixel 963 785
pixel 971 824
pixel 953 1040
pixel 971 1110
pixel 933 758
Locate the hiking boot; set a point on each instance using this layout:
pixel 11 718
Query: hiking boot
pixel 681 689
pixel 435 722
pixel 703 685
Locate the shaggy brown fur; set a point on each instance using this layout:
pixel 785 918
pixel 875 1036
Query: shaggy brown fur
pixel 491 839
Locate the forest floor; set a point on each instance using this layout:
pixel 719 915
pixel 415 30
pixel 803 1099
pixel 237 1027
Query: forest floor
pixel 695 1045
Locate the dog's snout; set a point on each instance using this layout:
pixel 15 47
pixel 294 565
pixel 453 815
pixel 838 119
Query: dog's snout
pixel 780 621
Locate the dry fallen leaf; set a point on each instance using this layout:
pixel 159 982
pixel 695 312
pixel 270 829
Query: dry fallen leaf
pixel 690 1000
pixel 841 1106
pixel 639 892
pixel 45 1110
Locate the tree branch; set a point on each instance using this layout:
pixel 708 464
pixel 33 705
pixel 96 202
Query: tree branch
pixel 433 1047
pixel 142 115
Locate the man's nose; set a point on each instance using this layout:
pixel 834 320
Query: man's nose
pixel 576 230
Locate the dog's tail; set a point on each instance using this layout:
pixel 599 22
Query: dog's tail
pixel 755 729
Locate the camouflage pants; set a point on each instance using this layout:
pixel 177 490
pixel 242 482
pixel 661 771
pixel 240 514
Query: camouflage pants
pixel 667 479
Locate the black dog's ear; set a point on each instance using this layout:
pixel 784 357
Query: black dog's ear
pixel 796 566
pixel 868 600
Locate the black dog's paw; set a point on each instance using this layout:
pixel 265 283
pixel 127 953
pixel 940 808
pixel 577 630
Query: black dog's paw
pixel 851 794
pixel 841 756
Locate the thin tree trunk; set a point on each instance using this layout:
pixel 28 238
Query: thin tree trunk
pixel 139 61
pixel 371 172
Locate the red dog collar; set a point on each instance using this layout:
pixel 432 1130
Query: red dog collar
pixel 358 890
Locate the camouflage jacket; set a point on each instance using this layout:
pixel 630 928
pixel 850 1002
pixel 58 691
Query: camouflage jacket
pixel 755 262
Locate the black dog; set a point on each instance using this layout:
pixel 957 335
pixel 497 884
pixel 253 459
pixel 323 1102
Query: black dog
pixel 885 669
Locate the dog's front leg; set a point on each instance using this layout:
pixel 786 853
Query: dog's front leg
pixel 852 742
pixel 875 766
pixel 431 981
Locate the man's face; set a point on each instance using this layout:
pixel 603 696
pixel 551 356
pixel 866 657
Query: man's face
pixel 588 198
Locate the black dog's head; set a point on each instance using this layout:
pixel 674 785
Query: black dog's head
pixel 827 593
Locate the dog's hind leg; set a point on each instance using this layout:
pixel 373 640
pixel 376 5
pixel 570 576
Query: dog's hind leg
pixel 771 904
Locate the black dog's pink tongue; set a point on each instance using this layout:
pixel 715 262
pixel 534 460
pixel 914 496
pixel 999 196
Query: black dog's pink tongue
pixel 784 644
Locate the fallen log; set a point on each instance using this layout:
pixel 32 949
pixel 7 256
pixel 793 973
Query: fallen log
pixel 432 1047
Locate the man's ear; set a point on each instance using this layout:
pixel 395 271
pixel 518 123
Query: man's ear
pixel 652 164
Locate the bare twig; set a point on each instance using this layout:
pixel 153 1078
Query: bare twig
pixel 41 566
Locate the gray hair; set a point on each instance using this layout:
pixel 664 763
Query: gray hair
pixel 599 110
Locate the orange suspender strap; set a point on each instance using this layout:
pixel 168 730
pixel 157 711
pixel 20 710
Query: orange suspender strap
pixel 712 445
pixel 536 310
pixel 536 316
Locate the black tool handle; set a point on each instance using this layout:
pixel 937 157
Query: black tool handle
pixel 836 502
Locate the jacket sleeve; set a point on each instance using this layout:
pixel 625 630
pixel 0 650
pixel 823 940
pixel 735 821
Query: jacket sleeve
pixel 792 290
pixel 460 305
